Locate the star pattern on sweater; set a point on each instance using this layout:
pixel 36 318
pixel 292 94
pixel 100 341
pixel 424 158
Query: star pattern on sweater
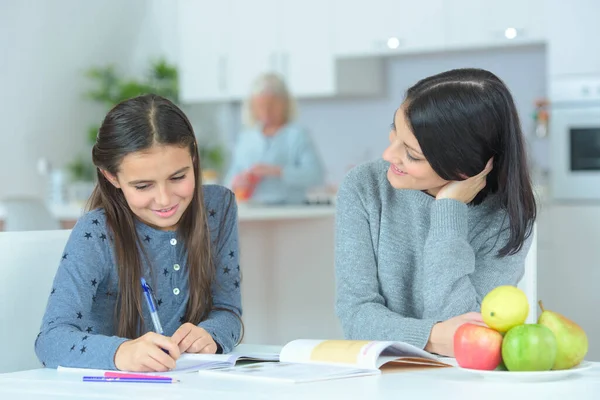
pixel 108 293
pixel 82 350
pixel 226 270
pixel 64 256
pixel 165 272
pixel 238 268
pixel 89 329
pixel 159 302
pixel 147 238
pixel 212 213
pixel 95 222
pixel 72 348
pixel 103 237
pixel 88 235
pixel 94 282
pixel 182 320
pixel 79 315
pixel 236 284
pixel 84 338
pixel 53 291
pixel 231 254
pixel 93 298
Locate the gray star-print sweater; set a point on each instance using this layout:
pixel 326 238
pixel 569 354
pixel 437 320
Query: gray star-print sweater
pixel 78 328
pixel 405 260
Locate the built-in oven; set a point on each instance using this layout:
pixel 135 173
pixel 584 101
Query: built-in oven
pixel 575 139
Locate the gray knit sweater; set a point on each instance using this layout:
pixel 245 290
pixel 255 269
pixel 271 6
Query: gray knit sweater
pixel 405 260
pixel 78 328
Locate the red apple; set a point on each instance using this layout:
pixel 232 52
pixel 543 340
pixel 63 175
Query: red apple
pixel 477 347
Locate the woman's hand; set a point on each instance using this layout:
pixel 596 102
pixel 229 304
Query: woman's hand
pixel 263 170
pixel 148 353
pixel 465 191
pixel 193 339
pixel 441 339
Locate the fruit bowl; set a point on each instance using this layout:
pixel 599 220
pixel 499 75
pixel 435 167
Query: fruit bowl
pixel 531 376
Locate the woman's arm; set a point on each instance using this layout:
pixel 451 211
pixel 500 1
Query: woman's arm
pixel 224 322
pixel 67 337
pixel 457 276
pixel 305 167
pixel 359 304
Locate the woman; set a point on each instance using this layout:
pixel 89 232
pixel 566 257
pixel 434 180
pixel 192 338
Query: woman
pixel 424 234
pixel 274 160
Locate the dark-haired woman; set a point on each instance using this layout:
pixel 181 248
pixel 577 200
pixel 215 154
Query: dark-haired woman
pixel 446 216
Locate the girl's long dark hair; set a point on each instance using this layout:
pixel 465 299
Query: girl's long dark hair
pixel 462 118
pixel 135 125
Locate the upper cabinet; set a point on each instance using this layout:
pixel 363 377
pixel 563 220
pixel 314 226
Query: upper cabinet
pixel 378 27
pixel 476 23
pixel 573 35
pixel 204 50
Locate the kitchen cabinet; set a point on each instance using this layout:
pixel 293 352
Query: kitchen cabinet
pixel 573 35
pixel 475 23
pixel 204 41
pixel 380 27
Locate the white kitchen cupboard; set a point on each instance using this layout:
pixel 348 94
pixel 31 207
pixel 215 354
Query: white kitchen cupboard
pixel 574 32
pixel 476 23
pixel 256 37
pixel 204 49
pixel 379 27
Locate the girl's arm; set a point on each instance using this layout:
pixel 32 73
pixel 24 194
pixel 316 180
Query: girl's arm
pixel 224 322
pixel 359 304
pixel 68 337
pixel 457 276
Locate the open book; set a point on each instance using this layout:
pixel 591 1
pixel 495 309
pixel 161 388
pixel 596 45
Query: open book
pixel 195 362
pixel 313 360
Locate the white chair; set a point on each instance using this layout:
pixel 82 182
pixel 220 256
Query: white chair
pixel 28 263
pixel 27 214
pixel 529 281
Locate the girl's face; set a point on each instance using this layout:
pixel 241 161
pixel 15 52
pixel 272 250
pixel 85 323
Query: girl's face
pixel 158 184
pixel 409 169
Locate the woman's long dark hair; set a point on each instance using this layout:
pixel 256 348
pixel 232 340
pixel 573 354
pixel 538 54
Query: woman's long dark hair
pixel 462 118
pixel 135 125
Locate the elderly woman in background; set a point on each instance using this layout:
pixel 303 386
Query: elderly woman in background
pixel 274 160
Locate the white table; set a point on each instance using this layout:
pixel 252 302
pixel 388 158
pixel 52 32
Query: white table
pixel 446 383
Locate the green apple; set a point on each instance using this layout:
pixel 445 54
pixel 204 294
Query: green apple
pixel 571 339
pixel 529 347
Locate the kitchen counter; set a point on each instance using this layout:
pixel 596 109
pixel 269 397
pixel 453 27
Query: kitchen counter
pixel 68 214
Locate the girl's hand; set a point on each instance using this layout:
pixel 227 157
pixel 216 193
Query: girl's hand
pixel 148 353
pixel 193 339
pixel 441 340
pixel 465 191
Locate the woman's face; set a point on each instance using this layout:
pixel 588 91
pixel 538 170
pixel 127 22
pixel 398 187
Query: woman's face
pixel 409 169
pixel 269 109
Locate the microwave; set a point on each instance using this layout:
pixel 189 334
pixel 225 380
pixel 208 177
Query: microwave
pixel 575 139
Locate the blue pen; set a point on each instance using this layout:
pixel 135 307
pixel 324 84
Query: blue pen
pixel 153 313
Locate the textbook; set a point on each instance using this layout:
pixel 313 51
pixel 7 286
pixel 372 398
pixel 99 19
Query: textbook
pixel 314 360
pixel 195 362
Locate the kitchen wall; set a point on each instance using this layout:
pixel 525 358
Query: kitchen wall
pixel 350 131
pixel 46 47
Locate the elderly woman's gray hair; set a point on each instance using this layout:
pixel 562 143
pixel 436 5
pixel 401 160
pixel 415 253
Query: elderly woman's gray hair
pixel 268 83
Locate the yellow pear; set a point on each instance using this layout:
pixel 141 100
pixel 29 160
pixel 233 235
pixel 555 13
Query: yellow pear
pixel 572 341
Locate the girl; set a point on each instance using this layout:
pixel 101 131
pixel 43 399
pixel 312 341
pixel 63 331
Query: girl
pixel 150 218
pixel 424 234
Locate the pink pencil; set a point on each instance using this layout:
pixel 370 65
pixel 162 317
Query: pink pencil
pixel 130 375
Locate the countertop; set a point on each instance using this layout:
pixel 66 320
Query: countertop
pixel 246 212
